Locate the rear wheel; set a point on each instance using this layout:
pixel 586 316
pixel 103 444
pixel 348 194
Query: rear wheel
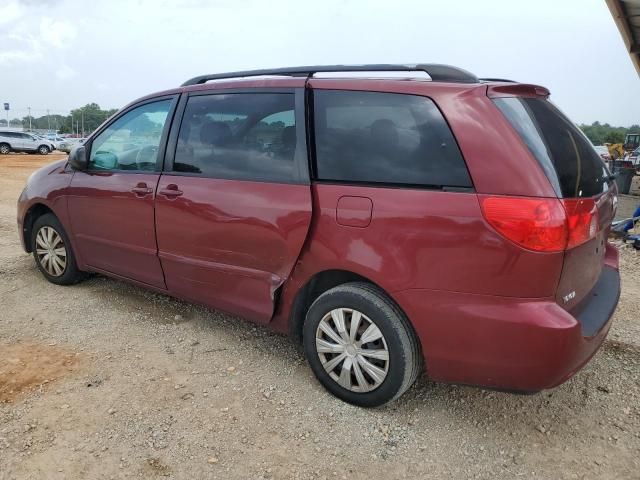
pixel 5 148
pixel 43 150
pixel 360 345
pixel 52 251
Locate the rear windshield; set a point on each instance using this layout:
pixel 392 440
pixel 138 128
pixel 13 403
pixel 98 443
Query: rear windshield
pixel 571 163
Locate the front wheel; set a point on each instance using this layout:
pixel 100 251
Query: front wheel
pixel 360 346
pixel 52 251
pixel 43 150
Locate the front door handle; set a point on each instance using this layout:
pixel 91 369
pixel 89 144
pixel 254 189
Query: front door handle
pixel 171 191
pixel 141 189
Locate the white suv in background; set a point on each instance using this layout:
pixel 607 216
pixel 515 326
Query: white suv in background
pixel 24 142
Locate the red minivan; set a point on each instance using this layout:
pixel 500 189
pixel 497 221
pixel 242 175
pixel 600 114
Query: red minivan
pixel 391 225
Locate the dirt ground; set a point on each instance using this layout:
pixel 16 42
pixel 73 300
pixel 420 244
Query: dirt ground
pixel 105 380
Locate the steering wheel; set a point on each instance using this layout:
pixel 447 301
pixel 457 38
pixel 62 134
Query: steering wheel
pixel 147 155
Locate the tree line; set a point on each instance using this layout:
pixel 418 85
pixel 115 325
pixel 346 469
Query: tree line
pixel 86 119
pixel 600 133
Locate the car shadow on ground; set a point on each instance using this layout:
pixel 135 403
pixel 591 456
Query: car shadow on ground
pixel 588 389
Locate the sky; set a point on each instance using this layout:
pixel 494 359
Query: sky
pixel 62 54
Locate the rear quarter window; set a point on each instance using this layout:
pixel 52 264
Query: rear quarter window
pixel 384 138
pixel 571 163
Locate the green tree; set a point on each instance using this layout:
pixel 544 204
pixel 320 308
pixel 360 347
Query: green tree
pixel 90 117
pixel 600 134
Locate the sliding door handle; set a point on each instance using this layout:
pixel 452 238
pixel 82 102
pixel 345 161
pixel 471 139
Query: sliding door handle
pixel 171 191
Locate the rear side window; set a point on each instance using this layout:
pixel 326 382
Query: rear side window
pixel 569 160
pixel 384 138
pixel 244 136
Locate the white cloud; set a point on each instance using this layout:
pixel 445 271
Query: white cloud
pixel 10 13
pixel 133 48
pixel 57 33
pixel 12 56
pixel 65 72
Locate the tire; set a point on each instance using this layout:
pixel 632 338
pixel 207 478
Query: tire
pixel 50 229
pixel 5 149
pixel 369 388
pixel 43 150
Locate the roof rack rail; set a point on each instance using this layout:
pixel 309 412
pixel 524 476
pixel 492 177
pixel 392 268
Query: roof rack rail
pixel 497 80
pixel 437 72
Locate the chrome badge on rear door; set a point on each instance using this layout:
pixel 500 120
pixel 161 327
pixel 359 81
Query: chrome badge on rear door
pixel 569 296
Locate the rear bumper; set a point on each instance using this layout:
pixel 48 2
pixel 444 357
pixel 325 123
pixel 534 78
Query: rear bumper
pixel 509 343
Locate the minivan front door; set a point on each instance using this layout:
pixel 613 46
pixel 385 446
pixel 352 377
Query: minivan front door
pixel 111 205
pixel 234 207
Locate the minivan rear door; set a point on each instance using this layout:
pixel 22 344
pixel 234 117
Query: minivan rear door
pixel 578 176
pixel 233 204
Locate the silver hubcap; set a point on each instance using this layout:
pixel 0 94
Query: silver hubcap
pixel 352 350
pixel 51 251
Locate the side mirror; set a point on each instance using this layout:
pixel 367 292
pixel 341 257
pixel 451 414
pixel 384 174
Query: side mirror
pixel 78 158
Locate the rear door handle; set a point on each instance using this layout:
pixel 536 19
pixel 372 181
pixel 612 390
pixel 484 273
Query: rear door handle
pixel 171 191
pixel 141 189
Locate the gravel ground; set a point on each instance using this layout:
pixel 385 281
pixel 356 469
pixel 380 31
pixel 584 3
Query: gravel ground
pixel 106 380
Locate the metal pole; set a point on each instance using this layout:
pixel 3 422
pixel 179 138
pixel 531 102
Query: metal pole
pixel 82 114
pixel 29 118
pixel 48 123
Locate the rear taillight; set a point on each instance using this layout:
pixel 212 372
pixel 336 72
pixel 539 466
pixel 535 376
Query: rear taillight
pixel 582 220
pixel 542 224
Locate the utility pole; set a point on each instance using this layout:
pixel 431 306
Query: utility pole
pixel 48 122
pixel 82 115
pixel 29 108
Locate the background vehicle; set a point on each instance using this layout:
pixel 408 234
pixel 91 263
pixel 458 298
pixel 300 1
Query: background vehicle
pixel 409 236
pixel 55 139
pixel 631 141
pixel 24 142
pixel 603 151
pixel 616 150
pixel 68 143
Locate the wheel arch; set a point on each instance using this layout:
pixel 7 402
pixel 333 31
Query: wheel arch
pixel 35 211
pixel 315 286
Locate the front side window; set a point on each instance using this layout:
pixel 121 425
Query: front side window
pixel 384 138
pixel 245 136
pixel 132 141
